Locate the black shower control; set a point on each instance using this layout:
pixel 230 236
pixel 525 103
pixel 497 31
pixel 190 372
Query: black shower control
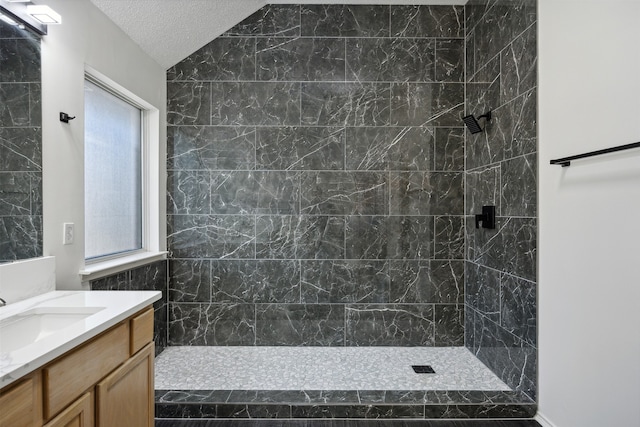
pixel 487 218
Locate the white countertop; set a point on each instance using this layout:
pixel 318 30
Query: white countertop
pixel 118 305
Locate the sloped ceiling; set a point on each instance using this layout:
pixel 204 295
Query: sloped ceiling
pixel 171 30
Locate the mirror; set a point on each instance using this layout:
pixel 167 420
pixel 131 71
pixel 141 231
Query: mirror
pixel 20 144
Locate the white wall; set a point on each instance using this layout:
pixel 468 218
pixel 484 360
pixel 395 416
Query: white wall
pixel 86 36
pixel 589 281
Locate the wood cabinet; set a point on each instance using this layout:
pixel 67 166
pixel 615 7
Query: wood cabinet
pixel 105 382
pixel 21 403
pixel 78 414
pixel 122 398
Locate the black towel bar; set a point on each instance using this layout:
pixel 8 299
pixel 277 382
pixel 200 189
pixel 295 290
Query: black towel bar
pixel 566 161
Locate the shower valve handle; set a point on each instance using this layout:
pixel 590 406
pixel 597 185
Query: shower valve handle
pixel 487 217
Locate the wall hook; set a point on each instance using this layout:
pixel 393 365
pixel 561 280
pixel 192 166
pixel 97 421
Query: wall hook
pixel 64 117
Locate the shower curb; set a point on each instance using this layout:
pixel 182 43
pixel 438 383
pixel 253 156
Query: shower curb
pixel 350 404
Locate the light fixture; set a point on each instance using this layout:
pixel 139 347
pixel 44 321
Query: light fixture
pixel 8 19
pixel 19 1
pixel 44 14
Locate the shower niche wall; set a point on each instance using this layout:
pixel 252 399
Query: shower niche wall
pixel 318 178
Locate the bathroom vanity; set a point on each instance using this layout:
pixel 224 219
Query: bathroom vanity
pixel 78 358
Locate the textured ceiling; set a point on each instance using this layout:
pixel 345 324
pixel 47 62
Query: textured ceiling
pixel 171 30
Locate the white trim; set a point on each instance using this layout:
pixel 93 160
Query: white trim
pixel 151 203
pixel 117 265
pixel 544 422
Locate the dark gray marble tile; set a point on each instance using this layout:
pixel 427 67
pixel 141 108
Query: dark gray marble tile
pixel 188 192
pixel 115 282
pixel 345 104
pixel 300 237
pixel 388 60
pixel 211 147
pixel 485 246
pixel 427 21
pixel 211 324
pixel 256 281
pixel 189 280
pixel 344 282
pixel 367 237
pixel 449 325
pixel 482 290
pixel 449 149
pixel 15 193
pixel 188 103
pixel 391 396
pixel 517 125
pixel 389 148
pixel 344 193
pixel 426 282
pixel 345 20
pixel 36 193
pixel 211 236
pixel 509 357
pixel 150 277
pixel 519 240
pixel 253 411
pixel 487 147
pixel 519 178
pixel 20 59
pixel 449 60
pixel 518 303
pixel 221 59
pixel 519 65
pixel 300 324
pixel 271 20
pixel 483 397
pixel 479 411
pixel 300 59
pixel 255 103
pixel 432 104
pixel 15 107
pixel 358 411
pixel 410 237
pixel 501 24
pixel 483 189
pixel 300 148
pixel 449 237
pixel 420 193
pixel 35 103
pixel 248 192
pixel 389 325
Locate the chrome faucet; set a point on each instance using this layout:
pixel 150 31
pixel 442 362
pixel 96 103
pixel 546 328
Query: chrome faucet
pixel 2 302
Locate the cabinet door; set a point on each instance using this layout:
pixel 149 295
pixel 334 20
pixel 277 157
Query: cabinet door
pixel 21 404
pixel 78 414
pixel 126 396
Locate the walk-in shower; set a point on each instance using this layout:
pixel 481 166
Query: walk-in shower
pixel 322 194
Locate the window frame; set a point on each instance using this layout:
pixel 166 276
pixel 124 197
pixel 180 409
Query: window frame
pixel 151 251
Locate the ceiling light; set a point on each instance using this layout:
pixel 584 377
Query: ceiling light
pixel 44 14
pixel 7 19
pixel 18 1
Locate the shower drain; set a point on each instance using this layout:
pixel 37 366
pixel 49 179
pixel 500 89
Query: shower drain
pixel 423 369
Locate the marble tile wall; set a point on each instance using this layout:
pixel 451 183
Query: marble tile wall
pixel 501 170
pixel 20 145
pixel 315 180
pixel 151 277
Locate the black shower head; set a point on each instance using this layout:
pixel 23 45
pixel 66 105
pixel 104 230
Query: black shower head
pixel 472 123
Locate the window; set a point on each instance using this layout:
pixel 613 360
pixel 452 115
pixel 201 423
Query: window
pixel 113 173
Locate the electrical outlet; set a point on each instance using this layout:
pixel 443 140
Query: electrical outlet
pixel 69 232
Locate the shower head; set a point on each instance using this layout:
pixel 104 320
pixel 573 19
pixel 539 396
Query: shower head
pixel 472 123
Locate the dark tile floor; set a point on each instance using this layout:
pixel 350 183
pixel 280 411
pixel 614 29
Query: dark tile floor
pixel 346 423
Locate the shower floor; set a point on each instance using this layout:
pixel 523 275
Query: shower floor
pixel 321 368
pixel 330 382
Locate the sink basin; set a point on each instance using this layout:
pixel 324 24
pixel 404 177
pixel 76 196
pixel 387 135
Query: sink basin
pixel 33 325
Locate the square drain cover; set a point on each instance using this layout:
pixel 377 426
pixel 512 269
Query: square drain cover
pixel 423 369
